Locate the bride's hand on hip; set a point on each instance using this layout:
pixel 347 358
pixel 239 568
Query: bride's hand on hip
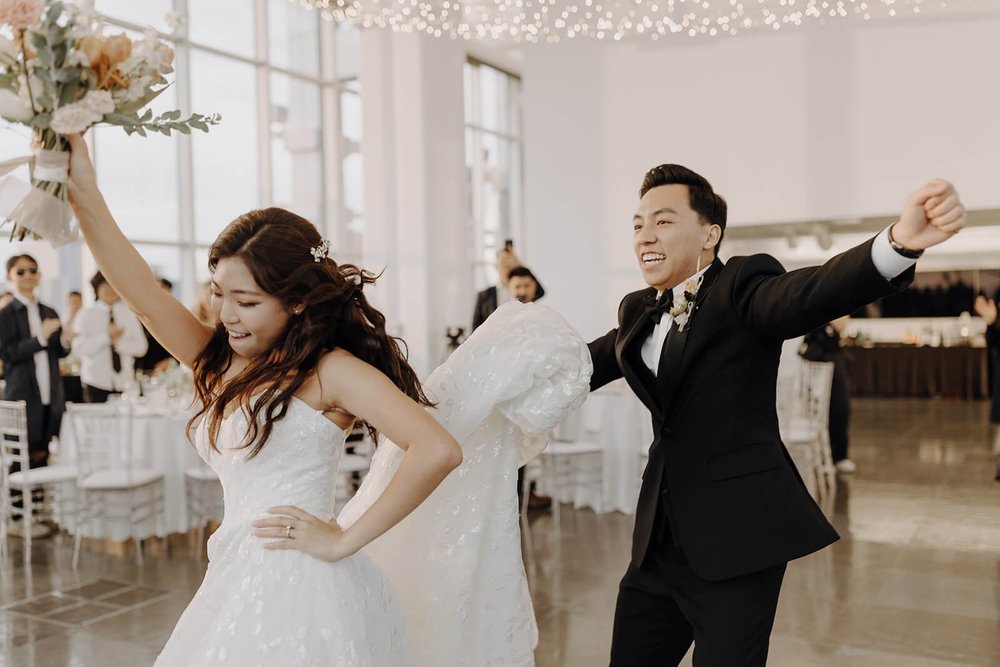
pixel 292 528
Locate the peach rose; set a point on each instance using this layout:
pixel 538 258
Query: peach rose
pixel 91 46
pixel 118 48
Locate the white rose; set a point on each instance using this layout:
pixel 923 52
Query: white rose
pixel 136 89
pixel 75 58
pixel 73 119
pixel 13 108
pixel 99 102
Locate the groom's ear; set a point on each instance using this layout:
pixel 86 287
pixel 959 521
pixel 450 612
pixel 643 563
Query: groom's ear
pixel 713 237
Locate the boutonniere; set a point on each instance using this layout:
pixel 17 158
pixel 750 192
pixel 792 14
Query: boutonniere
pixel 683 306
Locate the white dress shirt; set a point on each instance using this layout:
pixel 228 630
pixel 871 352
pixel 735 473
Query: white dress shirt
pixel 42 356
pixel 888 262
pixel 92 346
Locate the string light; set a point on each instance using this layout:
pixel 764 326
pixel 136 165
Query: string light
pixel 554 20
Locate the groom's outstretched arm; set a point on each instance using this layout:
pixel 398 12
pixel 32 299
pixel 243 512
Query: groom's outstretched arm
pixel 786 305
pixel 783 304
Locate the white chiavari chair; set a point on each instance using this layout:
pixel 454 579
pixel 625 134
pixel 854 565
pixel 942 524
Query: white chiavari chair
pixel 41 490
pixel 115 479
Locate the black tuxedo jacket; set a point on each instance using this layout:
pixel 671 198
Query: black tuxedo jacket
pixel 734 501
pixel 486 303
pixel 17 349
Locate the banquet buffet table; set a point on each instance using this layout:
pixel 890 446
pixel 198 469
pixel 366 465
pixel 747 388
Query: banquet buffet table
pixel 914 371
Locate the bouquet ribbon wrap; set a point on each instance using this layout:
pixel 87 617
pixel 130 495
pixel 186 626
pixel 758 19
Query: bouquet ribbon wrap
pixel 33 207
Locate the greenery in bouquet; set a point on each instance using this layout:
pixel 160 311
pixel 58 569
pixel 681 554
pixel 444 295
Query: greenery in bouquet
pixel 60 74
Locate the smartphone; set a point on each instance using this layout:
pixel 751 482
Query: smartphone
pixel 508 245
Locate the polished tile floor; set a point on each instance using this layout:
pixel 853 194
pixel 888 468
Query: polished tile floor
pixel 915 581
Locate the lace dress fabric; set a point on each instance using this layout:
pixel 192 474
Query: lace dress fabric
pixel 272 608
pixel 455 562
pixel 445 587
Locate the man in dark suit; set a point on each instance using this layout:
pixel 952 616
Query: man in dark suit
pixel 721 508
pixel 987 309
pixel 31 346
pixel 491 298
pixel 156 358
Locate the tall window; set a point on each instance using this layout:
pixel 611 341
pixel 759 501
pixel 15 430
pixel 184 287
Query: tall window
pixel 281 77
pixel 493 163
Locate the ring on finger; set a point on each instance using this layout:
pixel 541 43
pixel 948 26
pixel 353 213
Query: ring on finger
pixel 288 532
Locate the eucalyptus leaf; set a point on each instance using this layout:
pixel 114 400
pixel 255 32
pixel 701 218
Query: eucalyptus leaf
pixel 122 118
pixel 41 121
pixel 56 35
pixel 68 75
pixel 39 41
pixel 69 93
pixel 141 102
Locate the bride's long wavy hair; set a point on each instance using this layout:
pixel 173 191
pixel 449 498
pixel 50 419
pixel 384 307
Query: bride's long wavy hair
pixel 277 246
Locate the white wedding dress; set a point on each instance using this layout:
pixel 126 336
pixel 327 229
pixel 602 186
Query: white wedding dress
pixel 446 586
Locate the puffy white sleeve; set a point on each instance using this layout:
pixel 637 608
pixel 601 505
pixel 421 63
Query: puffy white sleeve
pixel 455 562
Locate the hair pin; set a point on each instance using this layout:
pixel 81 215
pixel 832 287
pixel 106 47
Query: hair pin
pixel 320 251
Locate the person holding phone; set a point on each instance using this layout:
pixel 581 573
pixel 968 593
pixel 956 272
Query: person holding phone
pixel 491 298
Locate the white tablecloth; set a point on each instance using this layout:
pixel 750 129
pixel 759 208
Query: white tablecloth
pixel 161 434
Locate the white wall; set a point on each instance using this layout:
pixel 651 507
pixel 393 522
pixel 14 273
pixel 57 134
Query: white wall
pixel 415 187
pixel 841 120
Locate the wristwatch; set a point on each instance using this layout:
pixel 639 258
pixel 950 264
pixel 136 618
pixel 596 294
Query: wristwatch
pixel 901 249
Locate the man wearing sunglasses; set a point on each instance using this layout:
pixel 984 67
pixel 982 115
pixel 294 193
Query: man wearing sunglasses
pixel 31 345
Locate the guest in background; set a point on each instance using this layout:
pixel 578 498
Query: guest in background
pixel 823 344
pixel 109 338
pixel 74 303
pixel 522 284
pixel 31 346
pixel 69 369
pixel 156 358
pixel 202 308
pixel 987 309
pixel 5 298
pixel 492 298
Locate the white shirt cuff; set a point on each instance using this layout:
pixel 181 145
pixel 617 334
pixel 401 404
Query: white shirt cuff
pixel 888 262
pixel 41 339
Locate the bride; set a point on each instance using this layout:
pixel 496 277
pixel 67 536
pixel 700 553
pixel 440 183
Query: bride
pixel 299 355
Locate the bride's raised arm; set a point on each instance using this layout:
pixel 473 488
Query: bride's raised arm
pixel 177 329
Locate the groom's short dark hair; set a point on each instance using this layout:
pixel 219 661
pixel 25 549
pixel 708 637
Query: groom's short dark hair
pixel 709 206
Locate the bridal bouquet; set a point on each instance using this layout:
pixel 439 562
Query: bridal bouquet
pixel 60 74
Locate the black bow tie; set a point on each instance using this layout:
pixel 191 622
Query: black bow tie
pixel 656 307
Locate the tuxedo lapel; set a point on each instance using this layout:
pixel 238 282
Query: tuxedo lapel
pixel 630 361
pixel 670 369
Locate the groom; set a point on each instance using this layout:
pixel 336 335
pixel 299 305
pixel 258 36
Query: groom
pixel 721 508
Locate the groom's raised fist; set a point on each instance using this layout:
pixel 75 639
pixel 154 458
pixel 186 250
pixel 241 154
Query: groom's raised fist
pixel 932 214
